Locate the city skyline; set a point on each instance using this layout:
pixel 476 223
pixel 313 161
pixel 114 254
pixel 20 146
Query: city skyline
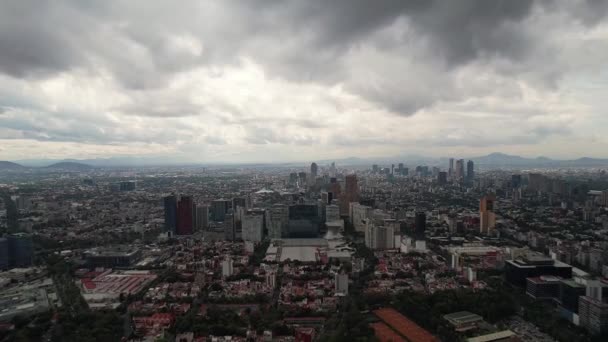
pixel 281 82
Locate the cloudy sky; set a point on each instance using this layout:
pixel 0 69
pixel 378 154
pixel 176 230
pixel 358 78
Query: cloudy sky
pixel 237 81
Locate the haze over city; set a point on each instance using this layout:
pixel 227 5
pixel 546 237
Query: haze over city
pixel 259 81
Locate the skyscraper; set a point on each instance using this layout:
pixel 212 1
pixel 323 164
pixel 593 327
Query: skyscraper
pixel 459 169
pixel 185 216
pixel 314 170
pixel 202 217
pixel 351 194
pixel 451 169
pixel 219 209
pixel 420 224
pixel 20 250
pixel 170 214
pixel 442 178
pixel 487 217
pixel 470 171
pixel 4 259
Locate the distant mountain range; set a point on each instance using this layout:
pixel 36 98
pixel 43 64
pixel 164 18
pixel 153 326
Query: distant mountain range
pixel 60 166
pixel 498 160
pixel 7 165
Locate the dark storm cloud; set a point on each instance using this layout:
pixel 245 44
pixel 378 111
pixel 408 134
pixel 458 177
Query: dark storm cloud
pixel 304 41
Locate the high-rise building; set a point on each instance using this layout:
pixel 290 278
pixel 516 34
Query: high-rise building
pixel 20 250
pixel 4 258
pixel 451 169
pixel 359 214
pixel 219 208
pixel 487 217
pixel 442 177
pixel 314 170
pixel 470 171
pixel 341 284
pixel 229 227
pixel 350 195
pixel 277 218
pixel 593 314
pixel 459 172
pixel 202 217
pixel 515 181
pixel 420 224
pixel 304 221
pixel 375 168
pixel 379 237
pixel 170 203
pixel 253 225
pixel 185 216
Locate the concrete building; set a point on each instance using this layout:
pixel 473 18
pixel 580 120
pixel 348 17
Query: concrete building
pixel 227 267
pixel 253 227
pixel 332 213
pixel 202 217
pixel 379 237
pixel 277 219
pixel 341 284
pixel 487 217
pixel 359 214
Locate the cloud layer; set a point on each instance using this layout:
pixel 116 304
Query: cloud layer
pixel 300 80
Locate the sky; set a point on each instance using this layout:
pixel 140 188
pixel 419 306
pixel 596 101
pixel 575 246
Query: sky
pixel 271 81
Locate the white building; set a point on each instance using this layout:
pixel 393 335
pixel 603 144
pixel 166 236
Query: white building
pixel 341 284
pixel 227 269
pixel 379 237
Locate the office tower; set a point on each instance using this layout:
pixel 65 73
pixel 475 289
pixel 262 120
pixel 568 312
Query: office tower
pixel 4 259
pixel 219 208
pixel 202 217
pixel 470 171
pixel 332 170
pixel 420 224
pixel 451 169
pixel 314 170
pixel 229 227
pixel 253 227
pixel 379 237
pixel 301 178
pixel 459 171
pixel 304 221
pixel 293 178
pixel 332 213
pixel 277 218
pixel 170 214
pixel 442 178
pixel 334 189
pixel 515 181
pixel 185 216
pixel 392 169
pixel 341 284
pixel 487 217
pixel 351 194
pixel 239 202
pixel 20 250
pixel 375 168
pixel 400 169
